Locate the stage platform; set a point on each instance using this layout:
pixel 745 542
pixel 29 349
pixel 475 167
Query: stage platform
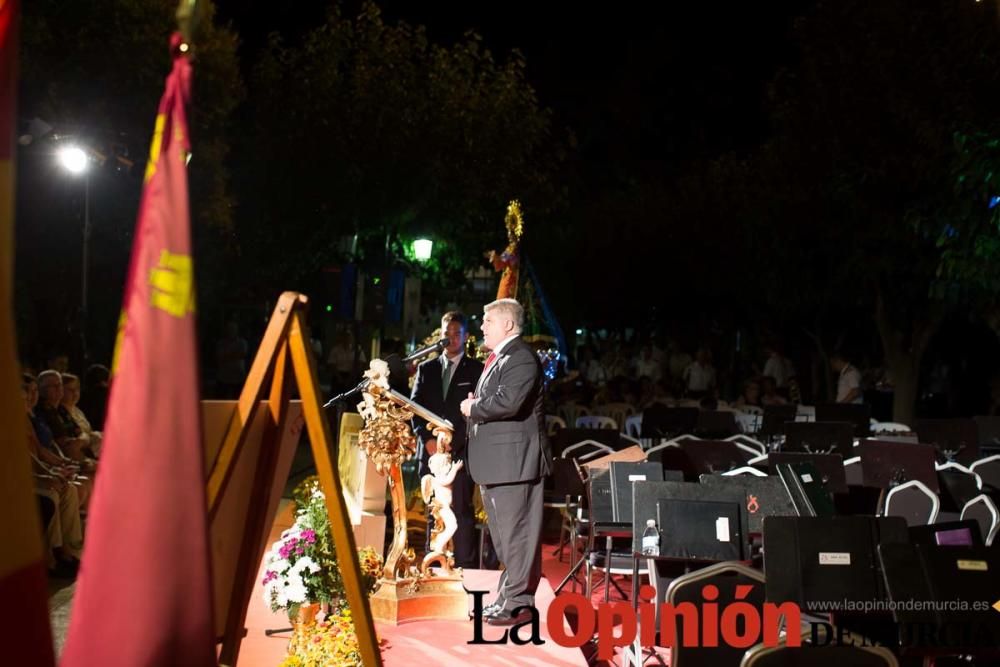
pixel 421 643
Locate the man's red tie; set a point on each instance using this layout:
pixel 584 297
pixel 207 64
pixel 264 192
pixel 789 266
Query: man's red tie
pixel 489 361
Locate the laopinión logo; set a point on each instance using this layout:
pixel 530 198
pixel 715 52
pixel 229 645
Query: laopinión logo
pixel 738 624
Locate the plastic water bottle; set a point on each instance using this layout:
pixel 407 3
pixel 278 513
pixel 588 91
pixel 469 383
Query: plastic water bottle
pixel 651 539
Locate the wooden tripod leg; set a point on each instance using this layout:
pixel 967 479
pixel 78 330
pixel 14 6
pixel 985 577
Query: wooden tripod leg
pixel 340 521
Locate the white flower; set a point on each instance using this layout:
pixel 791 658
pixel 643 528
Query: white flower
pixel 296 592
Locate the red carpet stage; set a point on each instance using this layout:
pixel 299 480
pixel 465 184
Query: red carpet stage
pixel 419 643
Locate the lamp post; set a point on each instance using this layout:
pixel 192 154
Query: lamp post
pixel 422 249
pixel 74 160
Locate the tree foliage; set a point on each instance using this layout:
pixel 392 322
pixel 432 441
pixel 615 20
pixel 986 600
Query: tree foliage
pixel 372 129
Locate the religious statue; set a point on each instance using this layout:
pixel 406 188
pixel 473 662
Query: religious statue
pixel 509 260
pixel 436 491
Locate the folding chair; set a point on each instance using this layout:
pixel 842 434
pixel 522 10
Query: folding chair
pixel 596 422
pixel 913 501
pixel 983 511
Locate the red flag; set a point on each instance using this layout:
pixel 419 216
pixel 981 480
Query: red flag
pixel 24 625
pixel 144 594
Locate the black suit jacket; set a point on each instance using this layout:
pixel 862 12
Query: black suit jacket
pixel 507 442
pixel 427 392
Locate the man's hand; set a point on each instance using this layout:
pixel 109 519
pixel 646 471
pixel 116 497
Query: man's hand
pixel 467 404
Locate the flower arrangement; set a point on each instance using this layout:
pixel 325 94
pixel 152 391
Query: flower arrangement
pixel 371 568
pixel 331 642
pixel 301 566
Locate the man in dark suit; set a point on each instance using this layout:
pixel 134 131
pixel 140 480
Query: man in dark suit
pixel 440 386
pixel 509 457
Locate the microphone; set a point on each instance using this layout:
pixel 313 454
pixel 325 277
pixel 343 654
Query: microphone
pixel 398 377
pixel 425 351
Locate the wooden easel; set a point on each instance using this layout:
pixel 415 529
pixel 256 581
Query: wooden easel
pixel 285 354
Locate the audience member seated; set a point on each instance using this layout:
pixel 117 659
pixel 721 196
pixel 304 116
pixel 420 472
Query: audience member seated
pixel 699 377
pixel 94 397
pixel 71 396
pixel 66 433
pixel 592 371
pixel 63 530
pixel 49 455
pixel 751 395
pixel 770 395
pixel 647 365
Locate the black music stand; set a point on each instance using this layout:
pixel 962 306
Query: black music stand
pixel 775 417
pixel 829 466
pixel 566 437
pixel 716 424
pixel 806 489
pixel 819 562
pixel 859 414
pixel 763 496
pixel 888 464
pixel 955 439
pixel 819 438
pixel 673 459
pixel 680 545
pixel 942 577
pixel 660 421
pixel 622 475
pixel 711 456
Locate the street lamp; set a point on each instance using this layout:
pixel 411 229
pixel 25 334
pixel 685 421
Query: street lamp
pixel 74 160
pixel 422 249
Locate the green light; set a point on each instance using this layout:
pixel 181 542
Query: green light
pixel 329 308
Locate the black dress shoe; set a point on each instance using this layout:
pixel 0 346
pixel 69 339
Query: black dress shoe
pixel 508 617
pixel 492 608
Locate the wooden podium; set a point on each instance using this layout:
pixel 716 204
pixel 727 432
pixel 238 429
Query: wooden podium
pixel 407 591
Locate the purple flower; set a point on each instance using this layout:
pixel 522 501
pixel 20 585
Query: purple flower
pixel 288 548
pixel 309 536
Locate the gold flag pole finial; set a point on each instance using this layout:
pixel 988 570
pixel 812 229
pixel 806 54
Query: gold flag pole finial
pixel 187 22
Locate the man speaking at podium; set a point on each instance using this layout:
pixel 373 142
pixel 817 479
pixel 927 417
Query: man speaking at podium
pixel 509 455
pixel 440 386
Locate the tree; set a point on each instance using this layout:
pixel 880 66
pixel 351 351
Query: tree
pixel 371 129
pixel 864 132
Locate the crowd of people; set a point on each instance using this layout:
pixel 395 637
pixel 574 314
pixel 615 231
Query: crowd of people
pixel 612 371
pixel 64 420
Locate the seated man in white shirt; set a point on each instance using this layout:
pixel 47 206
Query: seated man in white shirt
pixel 699 377
pixel 849 381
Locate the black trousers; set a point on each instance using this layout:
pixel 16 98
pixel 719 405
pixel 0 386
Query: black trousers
pixel 514 512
